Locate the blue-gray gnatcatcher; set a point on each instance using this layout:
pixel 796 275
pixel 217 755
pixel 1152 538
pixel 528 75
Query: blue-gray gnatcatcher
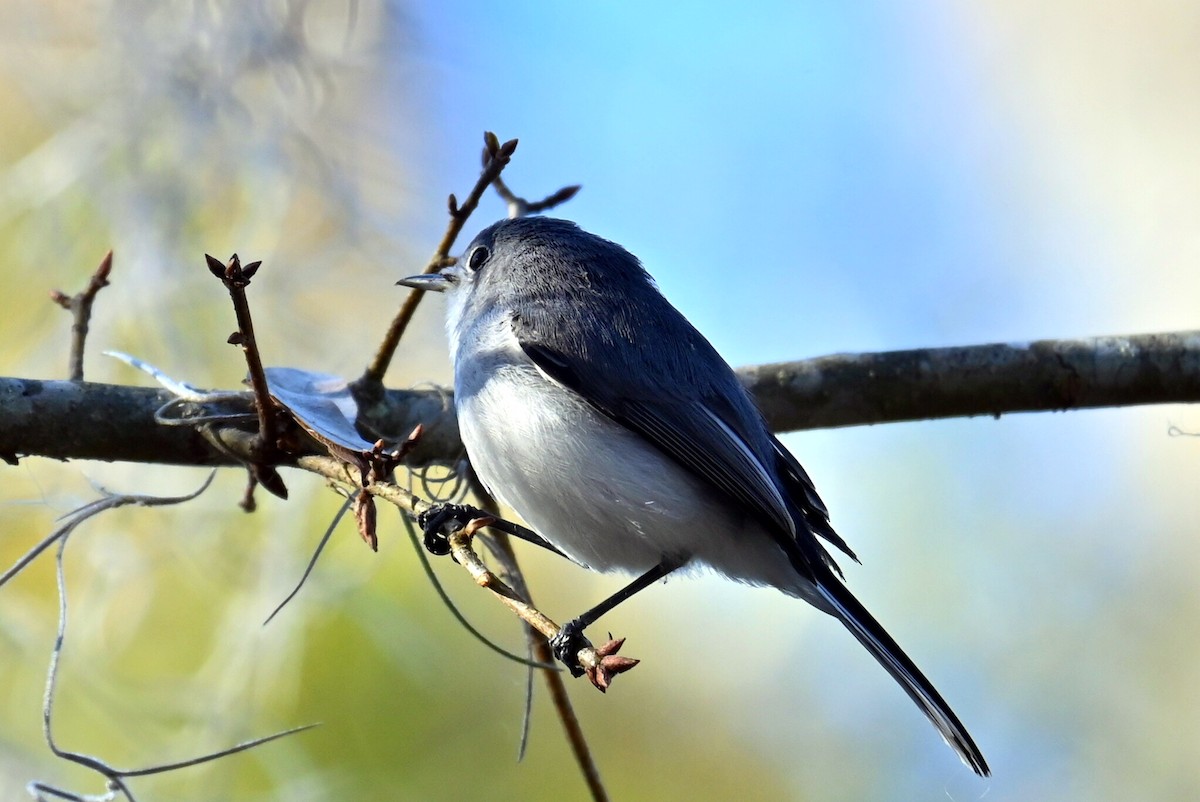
pixel 590 406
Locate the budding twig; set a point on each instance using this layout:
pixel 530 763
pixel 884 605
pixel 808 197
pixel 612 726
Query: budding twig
pixel 520 207
pixel 496 157
pixel 236 277
pixel 80 307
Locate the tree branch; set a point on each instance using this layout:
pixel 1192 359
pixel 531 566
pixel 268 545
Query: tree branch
pixel 86 420
pixel 82 420
pixel 924 384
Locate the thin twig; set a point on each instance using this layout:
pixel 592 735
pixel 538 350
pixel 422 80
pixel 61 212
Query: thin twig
pixel 601 664
pixel 109 501
pixel 571 726
pixel 464 555
pixel 80 307
pixel 339 471
pixel 232 750
pixel 519 207
pixel 312 561
pixel 495 158
pixel 458 615
pixel 236 278
pixel 87 761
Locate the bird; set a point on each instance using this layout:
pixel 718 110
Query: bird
pixel 594 409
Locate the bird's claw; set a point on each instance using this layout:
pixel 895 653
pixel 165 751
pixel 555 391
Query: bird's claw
pixel 439 521
pixel 566 645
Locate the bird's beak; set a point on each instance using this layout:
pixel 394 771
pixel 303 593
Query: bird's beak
pixel 430 282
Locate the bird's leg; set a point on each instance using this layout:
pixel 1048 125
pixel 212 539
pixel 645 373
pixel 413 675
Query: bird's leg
pixel 440 520
pixel 570 639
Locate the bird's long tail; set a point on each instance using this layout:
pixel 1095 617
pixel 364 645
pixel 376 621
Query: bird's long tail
pixel 872 635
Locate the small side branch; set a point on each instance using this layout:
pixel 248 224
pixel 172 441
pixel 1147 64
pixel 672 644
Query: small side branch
pixel 520 207
pixel 496 157
pixel 108 501
pixel 236 278
pixel 80 307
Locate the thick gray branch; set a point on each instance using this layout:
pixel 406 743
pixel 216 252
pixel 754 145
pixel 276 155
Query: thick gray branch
pixel 921 384
pixel 85 420
pixel 81 420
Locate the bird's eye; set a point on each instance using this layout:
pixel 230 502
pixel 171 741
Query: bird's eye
pixel 478 257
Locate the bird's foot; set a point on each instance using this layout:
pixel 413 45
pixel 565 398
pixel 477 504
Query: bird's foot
pixel 441 520
pixel 566 645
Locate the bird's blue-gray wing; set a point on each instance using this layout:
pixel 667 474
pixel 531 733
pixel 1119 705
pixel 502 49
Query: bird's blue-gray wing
pixel 699 433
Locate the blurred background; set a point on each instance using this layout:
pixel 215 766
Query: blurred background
pixel 802 179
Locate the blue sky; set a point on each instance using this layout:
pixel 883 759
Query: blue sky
pixel 838 160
